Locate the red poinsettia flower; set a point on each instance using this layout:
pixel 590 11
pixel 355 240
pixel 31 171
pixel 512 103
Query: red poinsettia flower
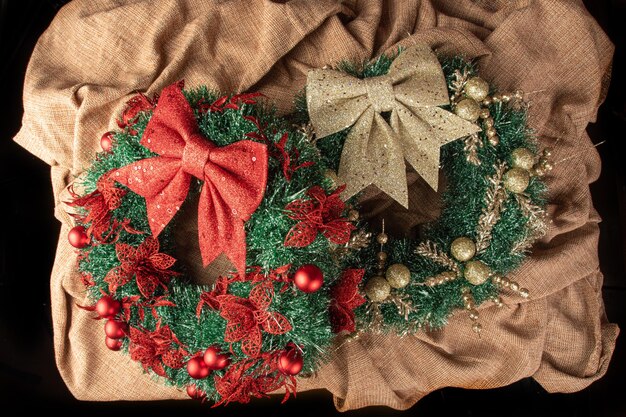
pixel 320 213
pixel 255 275
pixel 253 378
pixel 290 159
pixel 223 103
pixel 134 106
pixel 156 348
pixel 345 298
pixel 141 306
pixel 99 204
pixel 246 317
pixel 150 267
pixel 209 298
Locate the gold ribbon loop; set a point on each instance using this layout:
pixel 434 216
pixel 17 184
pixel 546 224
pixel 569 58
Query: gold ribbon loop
pixel 374 151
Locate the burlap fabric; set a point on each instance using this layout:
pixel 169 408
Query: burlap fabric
pixel 96 54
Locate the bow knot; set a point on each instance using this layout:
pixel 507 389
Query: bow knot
pixel 234 178
pixel 196 155
pixel 380 93
pixel 376 148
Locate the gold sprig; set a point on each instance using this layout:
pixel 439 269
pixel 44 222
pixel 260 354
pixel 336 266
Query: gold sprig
pixel 472 143
pixel 308 131
pixel 359 240
pixel 460 78
pixel 530 210
pixel 403 304
pixel 375 322
pixel 430 250
pixel 494 205
pixel 536 227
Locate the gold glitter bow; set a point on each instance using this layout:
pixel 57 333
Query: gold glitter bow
pixel 374 150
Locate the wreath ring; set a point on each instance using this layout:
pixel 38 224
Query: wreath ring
pixel 304 266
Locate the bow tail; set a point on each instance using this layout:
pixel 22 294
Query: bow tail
pixel 412 132
pixel 372 155
pixel 219 229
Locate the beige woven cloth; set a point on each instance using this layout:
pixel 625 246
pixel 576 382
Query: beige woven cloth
pixel 96 54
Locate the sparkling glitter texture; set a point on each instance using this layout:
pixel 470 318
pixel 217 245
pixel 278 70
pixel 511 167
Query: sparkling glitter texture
pixel 374 150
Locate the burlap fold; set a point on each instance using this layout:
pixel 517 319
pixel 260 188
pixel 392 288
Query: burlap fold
pixel 96 54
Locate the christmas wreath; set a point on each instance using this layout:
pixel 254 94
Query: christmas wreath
pixel 278 196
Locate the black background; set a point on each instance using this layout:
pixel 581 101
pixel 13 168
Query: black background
pixel 29 380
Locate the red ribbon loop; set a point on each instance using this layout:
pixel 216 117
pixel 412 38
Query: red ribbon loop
pixel 234 178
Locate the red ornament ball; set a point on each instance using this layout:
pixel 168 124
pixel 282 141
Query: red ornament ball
pixel 290 361
pixel 216 360
pixel 113 344
pixel 106 141
pixel 115 329
pixel 78 237
pixel 108 307
pixel 195 393
pixel 197 369
pixel 308 278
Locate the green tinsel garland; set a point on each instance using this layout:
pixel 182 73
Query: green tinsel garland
pixel 464 202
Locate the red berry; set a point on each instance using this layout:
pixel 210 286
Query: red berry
pixel 78 237
pixel 216 360
pixel 308 278
pixel 106 141
pixel 195 393
pixel 290 361
pixel 115 329
pixel 197 369
pixel 113 344
pixel 108 307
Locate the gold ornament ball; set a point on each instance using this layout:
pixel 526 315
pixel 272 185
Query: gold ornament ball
pixel 516 180
pixel 523 158
pixel 467 109
pixel 476 272
pixel 494 140
pixel 463 249
pixel 377 289
pixel 476 88
pixel 382 256
pixel 398 275
pixel 382 238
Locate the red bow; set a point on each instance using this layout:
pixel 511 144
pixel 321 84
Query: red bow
pixel 345 298
pixel 234 178
pixel 247 316
pixel 321 213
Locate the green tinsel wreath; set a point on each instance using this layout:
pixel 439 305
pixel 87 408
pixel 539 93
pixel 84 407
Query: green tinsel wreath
pixel 174 325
